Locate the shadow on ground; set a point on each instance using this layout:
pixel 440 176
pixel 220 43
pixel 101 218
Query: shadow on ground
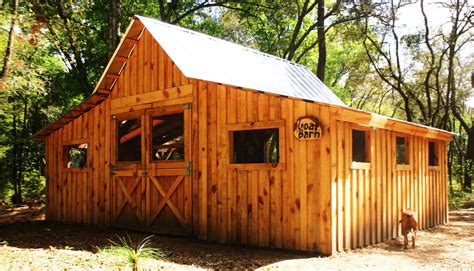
pixel 181 250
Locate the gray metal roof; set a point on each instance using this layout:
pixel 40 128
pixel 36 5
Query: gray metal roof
pixel 207 58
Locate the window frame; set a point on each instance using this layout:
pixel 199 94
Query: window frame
pixel 65 155
pixel 408 152
pixel 368 147
pixel 164 111
pixel 258 125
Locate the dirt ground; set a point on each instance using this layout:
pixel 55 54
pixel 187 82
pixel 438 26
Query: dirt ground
pixel 29 242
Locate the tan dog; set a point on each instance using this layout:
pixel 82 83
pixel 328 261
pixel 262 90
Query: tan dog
pixel 409 223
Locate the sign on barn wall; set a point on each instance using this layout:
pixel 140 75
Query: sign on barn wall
pixel 308 128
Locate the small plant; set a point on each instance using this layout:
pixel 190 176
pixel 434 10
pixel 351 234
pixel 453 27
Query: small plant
pixel 133 253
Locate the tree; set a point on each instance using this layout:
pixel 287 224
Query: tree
pixel 10 44
pixel 425 78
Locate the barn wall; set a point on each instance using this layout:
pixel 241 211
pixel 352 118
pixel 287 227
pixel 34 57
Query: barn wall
pixel 318 201
pixel 367 201
pixel 287 207
pixel 84 195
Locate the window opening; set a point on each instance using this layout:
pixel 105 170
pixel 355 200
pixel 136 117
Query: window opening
pixel 75 156
pixel 129 140
pixel 402 151
pixel 360 151
pixel 256 146
pixel 433 153
pixel 168 137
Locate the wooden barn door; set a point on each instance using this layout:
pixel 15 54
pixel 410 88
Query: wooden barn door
pixel 168 170
pixel 127 171
pixel 151 170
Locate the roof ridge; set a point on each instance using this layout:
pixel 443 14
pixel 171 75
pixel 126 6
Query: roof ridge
pixel 216 39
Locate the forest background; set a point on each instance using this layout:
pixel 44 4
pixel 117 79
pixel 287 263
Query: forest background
pixel 411 60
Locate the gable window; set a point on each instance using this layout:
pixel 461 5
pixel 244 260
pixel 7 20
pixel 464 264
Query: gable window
pixel 433 158
pixel 402 150
pixel 75 156
pixel 360 146
pixel 255 146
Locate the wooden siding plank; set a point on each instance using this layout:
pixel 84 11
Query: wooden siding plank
pixel 325 237
pixel 336 190
pixel 231 105
pixel 300 184
pixel 221 164
pixel 212 135
pixel 347 178
pixel 203 159
pixel 263 208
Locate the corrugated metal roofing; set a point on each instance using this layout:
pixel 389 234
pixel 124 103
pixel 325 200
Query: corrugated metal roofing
pixel 203 57
pixel 207 58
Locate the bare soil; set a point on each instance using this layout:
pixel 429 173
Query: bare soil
pixel 29 242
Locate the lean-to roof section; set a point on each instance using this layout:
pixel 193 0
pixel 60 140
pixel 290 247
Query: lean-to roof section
pixel 207 58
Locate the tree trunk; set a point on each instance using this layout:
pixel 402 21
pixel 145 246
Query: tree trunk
pixel 114 26
pixel 10 42
pixel 321 70
pixel 21 151
pixel 469 170
pixel 14 162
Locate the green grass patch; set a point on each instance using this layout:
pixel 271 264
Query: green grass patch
pixel 132 253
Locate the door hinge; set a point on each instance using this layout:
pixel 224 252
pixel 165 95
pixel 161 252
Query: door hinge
pixel 189 172
pixel 111 169
pixel 188 165
pixel 188 106
pixel 144 173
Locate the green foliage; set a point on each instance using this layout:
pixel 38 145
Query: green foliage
pixel 459 198
pixel 133 253
pixel 33 186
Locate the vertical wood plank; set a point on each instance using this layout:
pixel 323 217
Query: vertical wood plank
pixel 221 164
pixel 203 158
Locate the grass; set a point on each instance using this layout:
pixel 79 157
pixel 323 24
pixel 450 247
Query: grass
pixel 133 253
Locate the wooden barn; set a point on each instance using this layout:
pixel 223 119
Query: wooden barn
pixel 191 135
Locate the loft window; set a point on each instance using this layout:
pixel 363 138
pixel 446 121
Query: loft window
pixel 255 146
pixel 402 151
pixel 360 146
pixel 433 153
pixel 129 140
pixel 75 156
pixel 168 137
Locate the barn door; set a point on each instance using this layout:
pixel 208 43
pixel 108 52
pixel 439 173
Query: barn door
pixel 168 170
pixel 151 169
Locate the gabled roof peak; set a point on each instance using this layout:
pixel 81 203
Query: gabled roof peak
pixel 207 58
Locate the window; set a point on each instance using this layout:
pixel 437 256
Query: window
pixel 255 146
pixel 360 146
pixel 168 138
pixel 129 140
pixel 75 156
pixel 402 150
pixel 432 153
